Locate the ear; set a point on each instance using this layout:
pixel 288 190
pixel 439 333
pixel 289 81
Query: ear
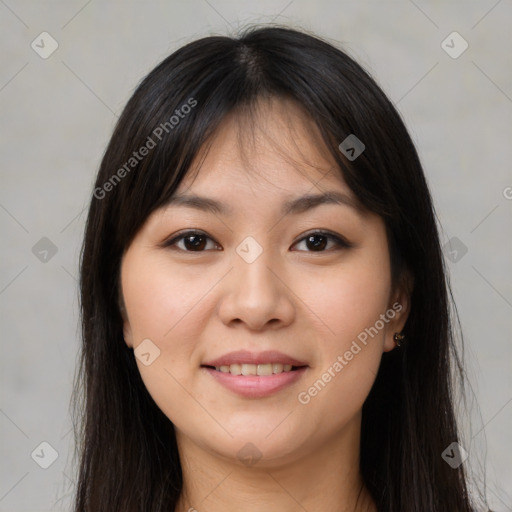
pixel 127 333
pixel 398 309
pixel 127 329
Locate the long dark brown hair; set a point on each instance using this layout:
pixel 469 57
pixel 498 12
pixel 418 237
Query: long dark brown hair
pixel 126 446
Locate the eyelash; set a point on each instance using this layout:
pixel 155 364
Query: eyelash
pixel 340 241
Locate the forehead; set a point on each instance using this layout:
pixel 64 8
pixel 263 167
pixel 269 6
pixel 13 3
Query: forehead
pixel 272 147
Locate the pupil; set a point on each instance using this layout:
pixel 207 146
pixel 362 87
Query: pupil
pixel 199 241
pixel 317 244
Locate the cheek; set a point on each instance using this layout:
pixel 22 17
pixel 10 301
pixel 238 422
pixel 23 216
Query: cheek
pixel 160 301
pixel 351 300
pixel 349 347
pixel 164 306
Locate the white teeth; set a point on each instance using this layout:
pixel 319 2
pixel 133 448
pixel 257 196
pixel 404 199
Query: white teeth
pixel 235 369
pixel 277 368
pixel 254 369
pixel 249 369
pixel 264 369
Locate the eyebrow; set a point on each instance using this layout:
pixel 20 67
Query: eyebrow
pixel 291 207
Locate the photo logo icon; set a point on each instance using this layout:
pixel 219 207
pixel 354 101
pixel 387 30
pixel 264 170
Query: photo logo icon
pixel 455 250
pixel 44 455
pixel 146 352
pixel 44 45
pixel 249 454
pixel 454 455
pixel 44 250
pixel 249 250
pixel 454 45
pixel 351 147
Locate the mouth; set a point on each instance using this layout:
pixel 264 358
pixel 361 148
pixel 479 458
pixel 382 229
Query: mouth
pixel 261 370
pixel 255 375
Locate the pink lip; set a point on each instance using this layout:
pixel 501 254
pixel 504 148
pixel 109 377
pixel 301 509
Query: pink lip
pixel 255 386
pixel 244 356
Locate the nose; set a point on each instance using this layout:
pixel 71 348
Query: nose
pixel 255 294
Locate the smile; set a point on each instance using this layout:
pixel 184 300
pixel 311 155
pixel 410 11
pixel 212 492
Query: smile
pixel 255 374
pixel 256 369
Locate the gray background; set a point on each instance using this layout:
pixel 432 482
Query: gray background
pixel 58 113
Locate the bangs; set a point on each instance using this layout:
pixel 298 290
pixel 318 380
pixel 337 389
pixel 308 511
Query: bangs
pixel 250 130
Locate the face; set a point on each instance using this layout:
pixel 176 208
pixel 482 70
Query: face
pixel 259 316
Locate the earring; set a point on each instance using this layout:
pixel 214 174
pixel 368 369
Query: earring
pixel 398 337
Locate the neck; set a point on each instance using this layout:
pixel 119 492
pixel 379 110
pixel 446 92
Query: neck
pixel 325 478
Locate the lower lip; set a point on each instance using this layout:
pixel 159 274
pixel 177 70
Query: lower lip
pixel 256 386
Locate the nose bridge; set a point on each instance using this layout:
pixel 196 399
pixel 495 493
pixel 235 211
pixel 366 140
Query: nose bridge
pixel 252 268
pixel 255 294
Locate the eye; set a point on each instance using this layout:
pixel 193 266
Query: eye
pixel 193 241
pixel 197 241
pixel 317 241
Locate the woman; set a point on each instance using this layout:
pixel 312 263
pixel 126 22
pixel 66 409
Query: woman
pixel 265 311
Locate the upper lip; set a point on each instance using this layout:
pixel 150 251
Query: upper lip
pixel 244 356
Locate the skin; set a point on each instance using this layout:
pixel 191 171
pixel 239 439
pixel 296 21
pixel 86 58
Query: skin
pixel 310 304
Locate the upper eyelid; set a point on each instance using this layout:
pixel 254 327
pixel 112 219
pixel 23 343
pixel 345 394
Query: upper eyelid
pixel 181 234
pixel 325 232
pixel 172 240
